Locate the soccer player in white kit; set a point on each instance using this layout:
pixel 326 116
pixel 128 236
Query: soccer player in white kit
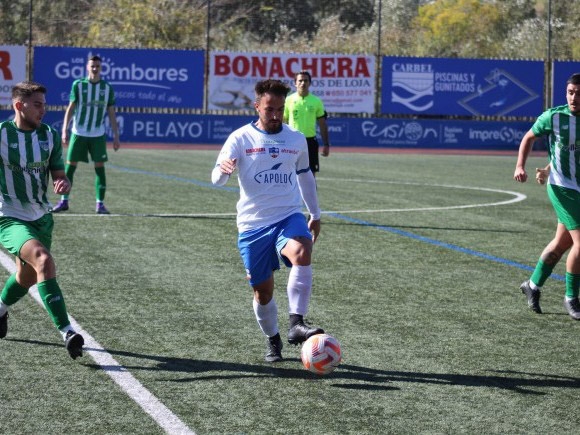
pixel 275 180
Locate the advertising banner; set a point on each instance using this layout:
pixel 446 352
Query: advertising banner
pixel 461 87
pixel 12 70
pixel 561 72
pixel 140 78
pixel 345 83
pixel 349 132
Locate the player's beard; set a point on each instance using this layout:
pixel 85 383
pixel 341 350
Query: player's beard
pixel 273 126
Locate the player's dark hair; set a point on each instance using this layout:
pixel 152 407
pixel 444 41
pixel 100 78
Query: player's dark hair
pixel 270 86
pixel 26 89
pixel 304 73
pixel 95 58
pixel 574 79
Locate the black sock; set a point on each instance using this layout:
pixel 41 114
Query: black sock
pixel 295 319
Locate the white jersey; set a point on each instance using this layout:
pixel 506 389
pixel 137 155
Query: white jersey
pixel 268 165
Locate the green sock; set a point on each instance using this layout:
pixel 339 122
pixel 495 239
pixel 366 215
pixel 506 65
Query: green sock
pixel 541 273
pixel 100 183
pixel 54 302
pixel 70 173
pixel 572 285
pixel 12 291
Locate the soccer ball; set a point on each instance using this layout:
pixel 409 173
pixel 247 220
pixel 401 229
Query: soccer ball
pixel 321 354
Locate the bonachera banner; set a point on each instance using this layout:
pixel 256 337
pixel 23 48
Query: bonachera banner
pixel 345 83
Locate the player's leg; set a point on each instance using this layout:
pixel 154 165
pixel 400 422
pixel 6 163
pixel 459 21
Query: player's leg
pixel 38 266
pixel 295 247
pixel 98 152
pixel 571 302
pixel 77 152
pixel 550 256
pixel 260 261
pixel 566 203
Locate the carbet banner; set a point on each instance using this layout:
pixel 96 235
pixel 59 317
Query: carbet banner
pixel 461 87
pixel 140 78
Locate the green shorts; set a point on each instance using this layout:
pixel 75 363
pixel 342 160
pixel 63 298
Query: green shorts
pixel 14 233
pixel 80 147
pixel 566 203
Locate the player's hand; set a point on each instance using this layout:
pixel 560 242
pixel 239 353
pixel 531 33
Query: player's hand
pixel 116 144
pixel 542 175
pixel 520 175
pixel 228 166
pixel 64 138
pixel 61 186
pixel 314 227
pixel 325 150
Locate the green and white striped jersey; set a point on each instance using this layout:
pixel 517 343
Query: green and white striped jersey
pixel 563 131
pixel 26 159
pixel 92 101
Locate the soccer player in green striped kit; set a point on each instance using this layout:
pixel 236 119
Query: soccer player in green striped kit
pixel 91 98
pixel 561 125
pixel 30 152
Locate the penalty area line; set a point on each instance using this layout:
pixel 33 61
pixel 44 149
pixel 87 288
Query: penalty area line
pixel 162 415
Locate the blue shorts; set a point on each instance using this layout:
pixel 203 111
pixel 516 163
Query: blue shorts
pixel 260 248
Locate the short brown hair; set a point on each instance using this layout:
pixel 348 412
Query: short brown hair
pixel 574 79
pixel 270 86
pixel 26 89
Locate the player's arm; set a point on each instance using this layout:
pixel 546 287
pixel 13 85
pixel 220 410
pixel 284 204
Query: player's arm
pixel 523 153
pixel 65 123
pixel 225 165
pixel 323 125
pixel 307 185
pixel 114 127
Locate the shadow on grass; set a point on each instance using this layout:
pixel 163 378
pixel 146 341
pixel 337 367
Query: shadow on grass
pixel 356 377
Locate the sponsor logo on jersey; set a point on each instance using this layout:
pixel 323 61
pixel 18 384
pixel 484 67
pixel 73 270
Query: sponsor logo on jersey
pixel 273 176
pixel 43 144
pixel 13 145
pixel 254 150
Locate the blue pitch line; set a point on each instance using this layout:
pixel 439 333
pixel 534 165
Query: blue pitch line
pixel 439 243
pixel 173 178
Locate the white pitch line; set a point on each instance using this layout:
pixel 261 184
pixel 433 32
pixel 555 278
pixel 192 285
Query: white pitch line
pixel 162 415
pixel 517 197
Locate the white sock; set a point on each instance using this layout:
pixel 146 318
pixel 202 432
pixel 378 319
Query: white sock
pixel 3 308
pixel 299 289
pixel 267 317
pixel 64 330
pixel 534 286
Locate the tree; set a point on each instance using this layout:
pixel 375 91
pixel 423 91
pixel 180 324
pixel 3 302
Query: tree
pixel 151 24
pixel 457 28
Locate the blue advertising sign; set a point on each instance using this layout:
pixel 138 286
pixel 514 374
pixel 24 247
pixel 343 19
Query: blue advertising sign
pixel 561 72
pixel 348 132
pixel 462 87
pixel 140 78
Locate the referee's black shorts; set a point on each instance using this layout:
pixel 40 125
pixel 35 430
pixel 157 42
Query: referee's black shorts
pixel 313 154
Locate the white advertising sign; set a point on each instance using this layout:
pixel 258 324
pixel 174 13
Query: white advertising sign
pixel 345 83
pixel 12 70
